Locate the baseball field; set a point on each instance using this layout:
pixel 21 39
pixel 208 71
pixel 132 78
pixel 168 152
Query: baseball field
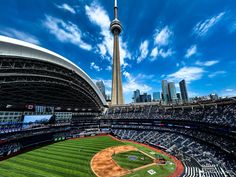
pixel 85 157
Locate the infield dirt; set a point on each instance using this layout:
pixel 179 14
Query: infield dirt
pixel 103 165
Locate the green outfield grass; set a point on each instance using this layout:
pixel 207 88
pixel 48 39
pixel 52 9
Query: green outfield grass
pixel 69 158
pixel 64 159
pixel 124 161
pixel 161 170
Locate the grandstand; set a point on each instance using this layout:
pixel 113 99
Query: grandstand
pixel 38 84
pixel 45 99
pixel 201 135
pixel 198 158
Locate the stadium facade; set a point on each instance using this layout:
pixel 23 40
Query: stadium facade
pixel 31 75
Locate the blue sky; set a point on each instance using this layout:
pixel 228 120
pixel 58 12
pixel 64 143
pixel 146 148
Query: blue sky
pixel 161 39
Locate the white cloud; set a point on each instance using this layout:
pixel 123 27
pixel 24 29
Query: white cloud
pixel 98 16
pixel 217 73
pixel 166 53
pixel 202 28
pixel 94 66
pixel 163 75
pixel 207 63
pixel 162 37
pixel 66 7
pixel 132 86
pixel 154 53
pixel 102 49
pixel 10 32
pixel 188 73
pixel 108 84
pixel 144 77
pixel 162 53
pixel 192 94
pixel 144 51
pixel 191 51
pixel 228 92
pixel 133 83
pixel 65 32
pixel 127 75
pixel 108 68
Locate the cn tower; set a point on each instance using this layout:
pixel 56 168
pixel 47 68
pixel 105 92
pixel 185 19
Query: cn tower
pixel 117 91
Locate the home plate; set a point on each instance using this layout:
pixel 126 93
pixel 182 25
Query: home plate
pixel 151 172
pixel 171 163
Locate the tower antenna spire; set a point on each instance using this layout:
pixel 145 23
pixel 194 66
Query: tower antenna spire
pixel 115 9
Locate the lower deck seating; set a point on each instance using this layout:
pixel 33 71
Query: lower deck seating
pixel 199 159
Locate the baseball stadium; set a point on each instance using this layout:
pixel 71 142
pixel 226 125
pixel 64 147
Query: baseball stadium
pixel 55 122
pixel 69 135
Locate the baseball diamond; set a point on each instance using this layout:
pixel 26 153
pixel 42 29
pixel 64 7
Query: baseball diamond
pixel 87 157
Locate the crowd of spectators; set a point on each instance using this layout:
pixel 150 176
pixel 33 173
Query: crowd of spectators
pixel 9 148
pixel 10 127
pixel 32 132
pixel 227 144
pixel 209 160
pixel 19 126
pixel 224 143
pixel 222 114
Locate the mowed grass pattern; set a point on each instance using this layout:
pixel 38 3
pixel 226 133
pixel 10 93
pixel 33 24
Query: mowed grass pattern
pixel 122 159
pixel 69 158
pixel 161 170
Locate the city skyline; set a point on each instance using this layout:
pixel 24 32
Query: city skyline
pixel 165 40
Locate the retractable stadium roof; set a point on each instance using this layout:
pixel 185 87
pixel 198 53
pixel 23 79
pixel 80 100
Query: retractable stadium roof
pixel 30 74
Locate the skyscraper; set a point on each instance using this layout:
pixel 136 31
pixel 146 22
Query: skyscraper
pixel 101 86
pixel 179 96
pixel 136 96
pixel 165 91
pixel 139 98
pixel 183 90
pixel 145 98
pixel 172 92
pixel 117 91
pixel 156 96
